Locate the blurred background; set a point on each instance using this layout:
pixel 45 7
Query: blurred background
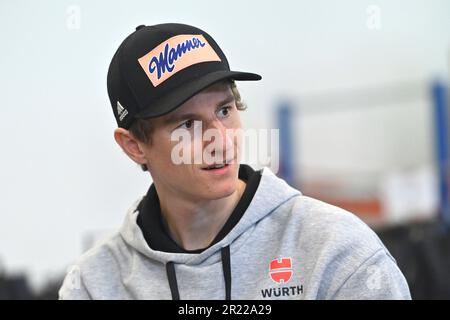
pixel 359 91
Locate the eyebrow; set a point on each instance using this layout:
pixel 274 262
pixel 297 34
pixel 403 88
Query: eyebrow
pixel 185 116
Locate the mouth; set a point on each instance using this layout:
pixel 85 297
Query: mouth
pixel 219 166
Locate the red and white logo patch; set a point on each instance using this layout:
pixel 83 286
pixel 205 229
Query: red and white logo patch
pixel 280 270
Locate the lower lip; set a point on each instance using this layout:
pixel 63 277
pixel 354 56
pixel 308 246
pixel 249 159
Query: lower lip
pixel 220 171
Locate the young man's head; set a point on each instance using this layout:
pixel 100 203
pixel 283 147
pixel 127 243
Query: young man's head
pixel 213 110
pixel 173 80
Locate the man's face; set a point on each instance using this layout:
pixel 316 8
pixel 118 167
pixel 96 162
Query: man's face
pixel 213 111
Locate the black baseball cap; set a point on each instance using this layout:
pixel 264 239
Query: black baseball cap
pixel 157 68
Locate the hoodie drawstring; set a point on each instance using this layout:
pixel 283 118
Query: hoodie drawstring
pixel 226 265
pixel 172 276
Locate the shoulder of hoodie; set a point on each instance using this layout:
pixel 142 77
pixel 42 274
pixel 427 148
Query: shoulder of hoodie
pixel 108 259
pixel 100 268
pixel 111 254
pixel 332 241
pixel 328 229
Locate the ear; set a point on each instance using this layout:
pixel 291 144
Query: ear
pixel 130 145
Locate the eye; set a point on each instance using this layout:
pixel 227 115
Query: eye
pixel 224 111
pixel 188 124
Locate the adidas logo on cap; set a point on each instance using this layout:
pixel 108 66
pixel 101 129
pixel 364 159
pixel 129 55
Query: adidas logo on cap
pixel 121 111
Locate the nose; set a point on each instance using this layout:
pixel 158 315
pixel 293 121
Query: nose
pixel 218 139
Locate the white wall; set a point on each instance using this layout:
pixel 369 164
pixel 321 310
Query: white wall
pixel 62 175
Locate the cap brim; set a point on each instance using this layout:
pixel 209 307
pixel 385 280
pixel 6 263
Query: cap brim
pixel 180 95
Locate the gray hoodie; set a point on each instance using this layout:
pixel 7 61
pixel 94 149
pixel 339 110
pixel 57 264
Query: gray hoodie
pixel 285 246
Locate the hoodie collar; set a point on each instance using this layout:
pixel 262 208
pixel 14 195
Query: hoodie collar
pixel 155 230
pixel 270 194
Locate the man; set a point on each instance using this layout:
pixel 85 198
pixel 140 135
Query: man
pixel 215 229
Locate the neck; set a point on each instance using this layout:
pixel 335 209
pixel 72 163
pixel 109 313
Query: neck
pixel 193 224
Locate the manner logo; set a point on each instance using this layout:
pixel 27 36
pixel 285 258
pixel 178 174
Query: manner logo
pixel 175 54
pixel 281 270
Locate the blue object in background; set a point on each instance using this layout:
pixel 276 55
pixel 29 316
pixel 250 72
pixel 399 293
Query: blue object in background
pixel 285 120
pixel 439 93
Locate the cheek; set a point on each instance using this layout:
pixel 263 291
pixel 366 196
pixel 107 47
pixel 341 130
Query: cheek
pixel 233 123
pixel 235 129
pixel 177 155
pixel 159 152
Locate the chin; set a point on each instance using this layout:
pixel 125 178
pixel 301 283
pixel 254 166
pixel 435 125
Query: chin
pixel 222 190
